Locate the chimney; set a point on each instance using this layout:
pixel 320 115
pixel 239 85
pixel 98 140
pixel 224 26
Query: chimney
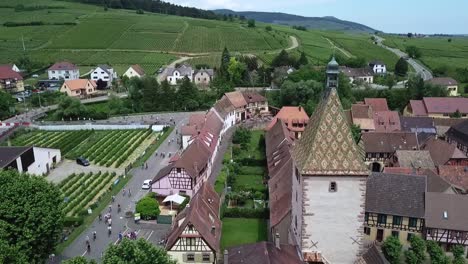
pixel 277 241
pixel 300 108
pixel 226 257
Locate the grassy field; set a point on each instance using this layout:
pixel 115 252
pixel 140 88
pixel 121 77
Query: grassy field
pixel 120 37
pixel 113 148
pixel 238 231
pixel 436 51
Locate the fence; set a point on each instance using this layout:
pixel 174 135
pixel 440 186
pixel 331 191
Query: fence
pixel 90 126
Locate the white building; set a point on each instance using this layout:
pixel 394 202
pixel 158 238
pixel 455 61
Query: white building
pixel 175 74
pixel 104 73
pixel 378 67
pixel 33 160
pixel 63 71
pixel 134 71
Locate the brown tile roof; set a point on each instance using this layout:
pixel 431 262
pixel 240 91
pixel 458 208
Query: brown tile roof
pixel 327 146
pixel 459 133
pixel 456 175
pixel 441 151
pixel 291 115
pixel 387 121
pixel 388 142
pixel 163 172
pixel 138 69
pixel 78 84
pixel 435 183
pixel 211 130
pixel 7 73
pixel 361 111
pixel 203 213
pixel 194 158
pixel 377 104
pixel 448 121
pixel 419 159
pixel 418 108
pixel 63 66
pixel 280 171
pixel 188 130
pixel 253 97
pixel 223 107
pixel 236 99
pixel 443 81
pixel 263 253
pixel 197 120
pixel 396 194
pixel 455 206
pixel 373 255
pixel 444 105
pixel 357 72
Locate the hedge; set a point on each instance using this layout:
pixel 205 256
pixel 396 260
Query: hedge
pixel 246 213
pixel 69 221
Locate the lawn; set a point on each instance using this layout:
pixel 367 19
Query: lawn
pixel 238 231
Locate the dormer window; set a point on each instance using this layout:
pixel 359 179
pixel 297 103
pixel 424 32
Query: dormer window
pixel 333 187
pixel 445 215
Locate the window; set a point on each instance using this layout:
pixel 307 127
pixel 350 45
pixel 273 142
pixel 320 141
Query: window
pixel 395 233
pixel 397 220
pixel 190 257
pixel 366 217
pixel 408 238
pixel 367 230
pixel 413 222
pixel 179 170
pixel 190 241
pixel 206 257
pixel 297 175
pixel 53 72
pixel 295 221
pixel 333 187
pixel 198 79
pixel 296 196
pixel 382 219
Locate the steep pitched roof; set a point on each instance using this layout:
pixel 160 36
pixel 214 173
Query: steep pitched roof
pixel 453 205
pixel 456 175
pixel 459 132
pixel 435 183
pixel 203 213
pixel 418 108
pixel 63 66
pixel 253 97
pixel 290 115
pixel 223 107
pixel 372 256
pixel 194 158
pixel 389 142
pixel 377 104
pixel 138 69
pixel 78 84
pixel 263 253
pixel 361 111
pixel 105 68
pixel 387 121
pixel 441 151
pixel 183 69
pixel 443 105
pixel 236 99
pixel 209 72
pixel 417 124
pixel 9 154
pixel 327 146
pixel 357 72
pixel 6 72
pixel 443 81
pixel 415 159
pixel 396 194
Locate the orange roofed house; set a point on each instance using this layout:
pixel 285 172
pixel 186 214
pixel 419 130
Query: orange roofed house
pixel 294 117
pixel 79 88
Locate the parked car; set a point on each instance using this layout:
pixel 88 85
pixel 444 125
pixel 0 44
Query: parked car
pixel 146 185
pixel 82 161
pixel 160 70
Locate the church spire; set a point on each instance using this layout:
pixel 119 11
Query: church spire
pixel 333 72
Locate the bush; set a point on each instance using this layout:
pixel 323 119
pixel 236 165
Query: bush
pixel 148 207
pixel 268 28
pixel 72 221
pixel 246 213
pixel 392 249
pixel 185 202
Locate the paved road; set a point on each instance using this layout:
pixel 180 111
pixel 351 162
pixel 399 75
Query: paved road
pixel 67 167
pixel 34 113
pixel 418 67
pixel 120 223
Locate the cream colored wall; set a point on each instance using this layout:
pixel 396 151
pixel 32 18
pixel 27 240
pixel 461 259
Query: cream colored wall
pixel 454 92
pixel 179 256
pixel 402 236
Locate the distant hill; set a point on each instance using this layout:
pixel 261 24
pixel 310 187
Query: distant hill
pixel 320 23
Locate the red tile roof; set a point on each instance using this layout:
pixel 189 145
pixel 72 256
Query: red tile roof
pixel 418 108
pixel 78 84
pixel 443 105
pixel 443 81
pixel 441 151
pixel 6 72
pixel 377 104
pixel 456 175
pixel 361 111
pixel 263 253
pixel 291 115
pixel 236 99
pixel 63 66
pixel 253 97
pixel 387 121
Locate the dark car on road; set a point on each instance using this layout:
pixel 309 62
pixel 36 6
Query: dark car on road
pixel 82 161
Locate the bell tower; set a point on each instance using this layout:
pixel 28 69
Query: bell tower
pixel 333 72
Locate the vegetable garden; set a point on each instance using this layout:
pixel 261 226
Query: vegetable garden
pixel 112 148
pixel 82 191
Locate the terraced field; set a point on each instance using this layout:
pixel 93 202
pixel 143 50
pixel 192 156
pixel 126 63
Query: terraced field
pixel 103 148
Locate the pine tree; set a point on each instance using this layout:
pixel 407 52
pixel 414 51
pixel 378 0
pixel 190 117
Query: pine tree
pixel 225 59
pixel 302 60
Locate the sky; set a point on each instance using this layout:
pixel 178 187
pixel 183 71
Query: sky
pixel 394 16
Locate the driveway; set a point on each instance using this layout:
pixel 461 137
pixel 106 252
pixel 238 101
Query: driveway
pixel 68 167
pixel 417 66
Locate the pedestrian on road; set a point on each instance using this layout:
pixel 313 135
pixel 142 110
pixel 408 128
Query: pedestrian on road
pixel 120 236
pixel 89 248
pixel 94 236
pixel 146 165
pixel 142 166
pixel 87 239
pixel 100 217
pixel 109 230
pixel 129 193
pixel 118 208
pixel 123 192
pixel 110 208
pixel 110 221
pixel 113 198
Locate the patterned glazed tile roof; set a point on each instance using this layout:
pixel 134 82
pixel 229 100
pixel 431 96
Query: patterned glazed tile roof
pixel 327 146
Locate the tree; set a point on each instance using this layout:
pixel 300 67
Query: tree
pixel 150 94
pixel 187 95
pixel 236 70
pixel 413 52
pixel 409 35
pixel 169 94
pixel 268 28
pixel 282 59
pixel 302 60
pixel 356 131
pixel 148 207
pixel 251 23
pixel 392 249
pixel 79 260
pixel 31 217
pixel 219 85
pixel 7 104
pixel 436 253
pixel 70 107
pixel 225 59
pixel 449 40
pixel 416 254
pixel 458 253
pixel 390 81
pixel 401 67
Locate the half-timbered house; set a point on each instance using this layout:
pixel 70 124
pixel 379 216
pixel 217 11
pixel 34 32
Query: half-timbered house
pixel 196 231
pixel 394 206
pixel 447 219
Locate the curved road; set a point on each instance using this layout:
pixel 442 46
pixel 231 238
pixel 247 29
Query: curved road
pixel 418 67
